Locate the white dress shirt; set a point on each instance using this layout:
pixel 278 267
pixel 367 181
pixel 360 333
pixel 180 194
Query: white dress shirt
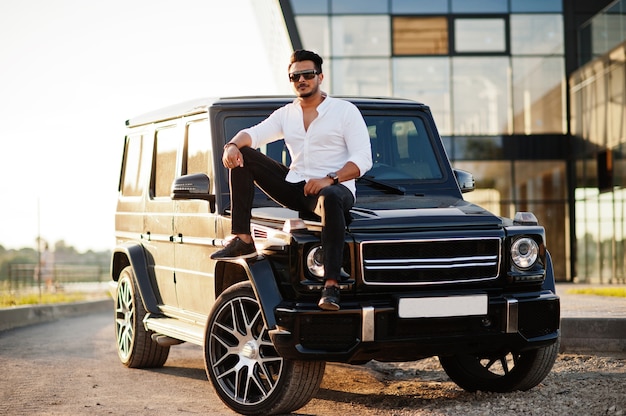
pixel 337 135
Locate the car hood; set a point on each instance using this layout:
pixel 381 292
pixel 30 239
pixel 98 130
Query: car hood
pixel 409 211
pixel 403 212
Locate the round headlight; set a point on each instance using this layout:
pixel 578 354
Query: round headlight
pixel 315 261
pixel 524 252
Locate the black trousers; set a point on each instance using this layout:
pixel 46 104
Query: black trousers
pixel 332 204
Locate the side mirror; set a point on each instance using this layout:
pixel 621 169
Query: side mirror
pixel 465 180
pixel 194 186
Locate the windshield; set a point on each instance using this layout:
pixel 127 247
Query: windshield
pixel 401 149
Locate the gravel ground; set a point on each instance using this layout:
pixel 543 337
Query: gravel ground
pixel 70 367
pixel 583 385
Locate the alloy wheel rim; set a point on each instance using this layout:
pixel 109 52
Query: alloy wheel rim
pixel 124 318
pixel 241 355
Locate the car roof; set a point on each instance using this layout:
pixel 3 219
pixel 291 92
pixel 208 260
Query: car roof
pixel 202 105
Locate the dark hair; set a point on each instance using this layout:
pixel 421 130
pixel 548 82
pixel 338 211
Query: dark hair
pixel 304 55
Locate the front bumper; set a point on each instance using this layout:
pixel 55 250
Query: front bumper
pixel 360 332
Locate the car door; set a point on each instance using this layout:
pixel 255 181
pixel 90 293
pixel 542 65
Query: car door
pixel 195 225
pixel 158 234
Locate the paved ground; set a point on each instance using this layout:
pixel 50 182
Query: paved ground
pixel 590 306
pixel 589 323
pixel 592 324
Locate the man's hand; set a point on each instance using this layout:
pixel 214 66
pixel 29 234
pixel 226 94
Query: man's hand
pixel 314 186
pixel 232 157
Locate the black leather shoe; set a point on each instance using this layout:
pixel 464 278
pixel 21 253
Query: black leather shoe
pixel 330 299
pixel 236 249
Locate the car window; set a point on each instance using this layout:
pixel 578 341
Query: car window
pixel 198 151
pixel 165 161
pixel 134 166
pixel 276 150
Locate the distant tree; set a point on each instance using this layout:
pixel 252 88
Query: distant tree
pixel 63 254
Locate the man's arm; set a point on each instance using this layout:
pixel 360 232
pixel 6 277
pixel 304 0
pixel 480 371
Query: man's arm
pixel 358 141
pixel 266 131
pixel 232 156
pixel 347 172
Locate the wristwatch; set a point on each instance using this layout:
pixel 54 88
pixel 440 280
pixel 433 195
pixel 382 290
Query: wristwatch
pixel 334 177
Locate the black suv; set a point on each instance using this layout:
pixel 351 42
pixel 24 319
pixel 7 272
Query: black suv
pixel 425 272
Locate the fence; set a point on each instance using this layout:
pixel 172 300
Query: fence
pixel 26 277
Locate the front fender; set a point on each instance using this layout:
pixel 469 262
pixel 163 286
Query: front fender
pixel 261 276
pixel 549 281
pixel 134 255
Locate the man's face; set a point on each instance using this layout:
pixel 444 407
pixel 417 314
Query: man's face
pixel 305 87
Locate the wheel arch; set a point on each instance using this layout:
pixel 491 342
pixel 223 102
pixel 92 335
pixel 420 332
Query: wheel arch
pixel 134 255
pixel 260 275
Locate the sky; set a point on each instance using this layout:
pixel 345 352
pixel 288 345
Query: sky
pixel 71 73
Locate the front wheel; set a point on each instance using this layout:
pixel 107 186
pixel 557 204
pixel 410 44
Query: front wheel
pixel 240 360
pixel 135 347
pixel 502 372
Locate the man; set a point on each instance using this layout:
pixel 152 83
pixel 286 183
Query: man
pixel 329 146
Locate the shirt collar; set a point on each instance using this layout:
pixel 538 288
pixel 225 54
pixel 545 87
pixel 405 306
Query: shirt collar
pixel 321 107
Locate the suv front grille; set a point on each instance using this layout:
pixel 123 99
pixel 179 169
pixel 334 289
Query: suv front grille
pixel 423 262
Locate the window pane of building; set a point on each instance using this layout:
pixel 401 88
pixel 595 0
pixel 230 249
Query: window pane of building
pixel 521 6
pixel 587 234
pixel 361 76
pixel 420 36
pixel 540 181
pixel 309 6
pixel 327 69
pixel 617 96
pixel 619 167
pixel 538 95
pixel 477 147
pixel 419 6
pixel 314 33
pixel 480 95
pixel 426 80
pixel 360 7
pixel 479 35
pixel 493 185
pixel 537 34
pixel 619 225
pixel 595 103
pixel 606 235
pixel 360 36
pixel 608 29
pixel 480 6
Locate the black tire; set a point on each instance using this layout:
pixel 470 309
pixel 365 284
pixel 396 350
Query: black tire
pixel 246 371
pixel 135 347
pixel 503 372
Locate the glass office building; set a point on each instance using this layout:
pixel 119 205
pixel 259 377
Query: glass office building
pixel 498 76
pixel 598 125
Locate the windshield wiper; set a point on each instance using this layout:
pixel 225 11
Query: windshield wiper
pixel 396 189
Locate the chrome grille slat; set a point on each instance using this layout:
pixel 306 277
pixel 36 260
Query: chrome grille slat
pixel 430 261
pixel 431 266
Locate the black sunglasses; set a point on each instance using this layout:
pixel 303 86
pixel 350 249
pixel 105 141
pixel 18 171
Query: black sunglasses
pixel 308 74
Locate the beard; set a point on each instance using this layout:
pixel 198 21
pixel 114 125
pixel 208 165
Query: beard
pixel 312 92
